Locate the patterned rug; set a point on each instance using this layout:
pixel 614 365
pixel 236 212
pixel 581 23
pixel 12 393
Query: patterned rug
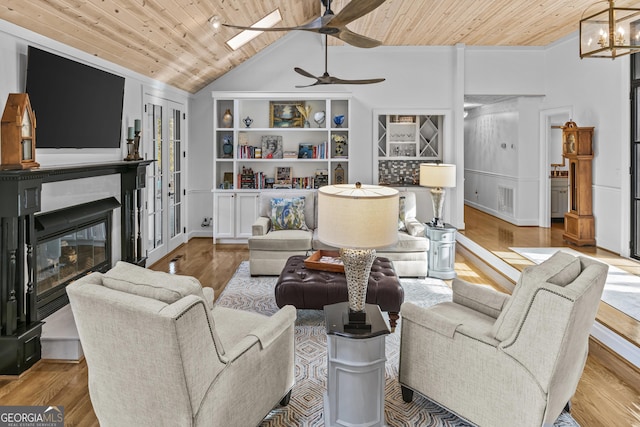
pixel 305 408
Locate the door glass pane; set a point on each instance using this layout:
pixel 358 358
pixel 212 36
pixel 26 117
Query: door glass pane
pixel 175 187
pixel 636 226
pixel 636 124
pixel 636 176
pixel 155 235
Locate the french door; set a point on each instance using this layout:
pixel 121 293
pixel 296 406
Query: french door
pixel 165 194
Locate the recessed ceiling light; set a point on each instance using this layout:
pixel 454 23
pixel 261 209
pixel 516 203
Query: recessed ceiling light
pixel 246 36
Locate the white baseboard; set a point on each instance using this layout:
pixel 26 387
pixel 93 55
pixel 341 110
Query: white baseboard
pixel 520 222
pixel 200 233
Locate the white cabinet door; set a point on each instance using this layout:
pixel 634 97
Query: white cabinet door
pixel 559 197
pixel 246 213
pixel 223 215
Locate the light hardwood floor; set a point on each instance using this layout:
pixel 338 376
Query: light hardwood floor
pixel 602 398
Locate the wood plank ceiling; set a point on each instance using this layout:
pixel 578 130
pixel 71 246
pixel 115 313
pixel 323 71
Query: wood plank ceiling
pixel 172 41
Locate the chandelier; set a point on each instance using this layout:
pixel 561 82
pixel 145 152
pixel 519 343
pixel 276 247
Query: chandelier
pixel 610 33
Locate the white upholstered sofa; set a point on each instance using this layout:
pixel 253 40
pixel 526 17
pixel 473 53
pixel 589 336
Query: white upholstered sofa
pixel 160 354
pixel 500 360
pixel 270 249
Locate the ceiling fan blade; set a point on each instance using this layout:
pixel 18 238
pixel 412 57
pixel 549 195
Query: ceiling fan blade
pixel 339 81
pixel 312 84
pixel 354 10
pixel 357 40
pixel 304 73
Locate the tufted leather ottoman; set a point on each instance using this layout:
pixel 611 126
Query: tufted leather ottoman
pixel 313 289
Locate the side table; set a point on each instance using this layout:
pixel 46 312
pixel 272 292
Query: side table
pixel 355 374
pixel 442 251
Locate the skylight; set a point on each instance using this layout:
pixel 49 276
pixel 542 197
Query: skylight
pixel 246 36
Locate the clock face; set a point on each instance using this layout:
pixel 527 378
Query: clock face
pixel 26 124
pixel 571 143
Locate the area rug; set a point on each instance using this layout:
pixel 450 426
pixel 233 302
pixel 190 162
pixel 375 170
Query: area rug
pixel 620 290
pixel 305 408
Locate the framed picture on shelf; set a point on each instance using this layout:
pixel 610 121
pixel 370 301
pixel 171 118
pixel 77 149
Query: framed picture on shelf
pixel 285 114
pixel 227 180
pixel 271 146
pixel 283 177
pixel 305 151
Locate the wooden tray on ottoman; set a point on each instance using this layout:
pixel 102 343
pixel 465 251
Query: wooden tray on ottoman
pixel 315 262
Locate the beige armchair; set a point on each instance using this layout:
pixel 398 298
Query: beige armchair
pixel 159 355
pixel 499 360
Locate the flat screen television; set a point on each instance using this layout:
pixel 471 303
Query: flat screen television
pixel 76 106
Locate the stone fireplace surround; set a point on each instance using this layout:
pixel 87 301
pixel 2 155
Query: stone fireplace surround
pixel 22 194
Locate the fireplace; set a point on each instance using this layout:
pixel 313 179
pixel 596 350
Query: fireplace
pixel 70 243
pixel 56 247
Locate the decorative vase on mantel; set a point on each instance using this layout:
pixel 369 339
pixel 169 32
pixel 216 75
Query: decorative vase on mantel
pixel 227 119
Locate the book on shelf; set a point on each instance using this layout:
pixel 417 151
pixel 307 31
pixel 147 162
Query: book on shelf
pixel 306 182
pixel 249 152
pixel 290 155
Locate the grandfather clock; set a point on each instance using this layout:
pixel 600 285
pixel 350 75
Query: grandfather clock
pixel 18 138
pixel 577 148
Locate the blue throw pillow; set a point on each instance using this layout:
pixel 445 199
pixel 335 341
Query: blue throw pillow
pixel 288 214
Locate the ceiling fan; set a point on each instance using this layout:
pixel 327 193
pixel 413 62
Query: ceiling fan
pixel 334 25
pixel 326 79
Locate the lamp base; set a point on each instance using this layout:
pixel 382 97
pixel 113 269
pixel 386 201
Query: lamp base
pixel 357 322
pixel 437 196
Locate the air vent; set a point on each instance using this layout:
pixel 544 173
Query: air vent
pixel 505 200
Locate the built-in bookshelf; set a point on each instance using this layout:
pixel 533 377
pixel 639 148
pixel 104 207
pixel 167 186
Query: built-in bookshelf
pixel 257 133
pixel 275 140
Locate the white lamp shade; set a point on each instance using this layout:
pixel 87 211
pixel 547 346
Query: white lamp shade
pixel 437 175
pixel 360 218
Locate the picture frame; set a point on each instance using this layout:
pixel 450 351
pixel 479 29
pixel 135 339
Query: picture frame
pixel 271 147
pixel 283 175
pixel 305 151
pixel 285 114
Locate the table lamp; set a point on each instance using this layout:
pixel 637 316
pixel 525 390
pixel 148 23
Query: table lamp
pixel 438 176
pixel 357 219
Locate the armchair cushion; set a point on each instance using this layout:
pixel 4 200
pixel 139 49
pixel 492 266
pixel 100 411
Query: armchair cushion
pixel 283 240
pixel 479 298
pixel 157 285
pixel 288 214
pixel 560 269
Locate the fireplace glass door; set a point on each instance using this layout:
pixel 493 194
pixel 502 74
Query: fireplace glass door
pixel 62 259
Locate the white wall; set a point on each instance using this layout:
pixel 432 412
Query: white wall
pixel 416 78
pixel 501 139
pixel 597 91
